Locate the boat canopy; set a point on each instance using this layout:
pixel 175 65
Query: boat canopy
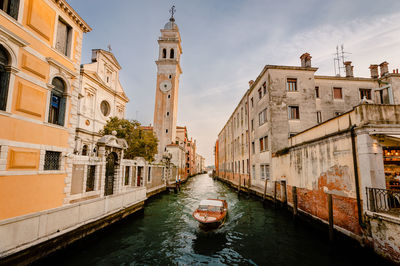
pixel 216 203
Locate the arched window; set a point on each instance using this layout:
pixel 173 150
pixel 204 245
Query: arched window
pixel 57 102
pixel 85 150
pixel 164 53
pixel 171 54
pixel 4 78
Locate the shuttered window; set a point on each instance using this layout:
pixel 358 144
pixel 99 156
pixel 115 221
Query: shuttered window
pixel 4 78
pixel 337 93
pixel 291 84
pixel 11 7
pixel 63 37
pixel 293 112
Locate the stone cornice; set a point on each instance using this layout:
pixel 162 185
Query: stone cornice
pixel 13 37
pixel 63 5
pixel 57 64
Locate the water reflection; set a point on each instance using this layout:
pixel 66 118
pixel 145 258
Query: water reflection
pixel 166 233
pixel 209 243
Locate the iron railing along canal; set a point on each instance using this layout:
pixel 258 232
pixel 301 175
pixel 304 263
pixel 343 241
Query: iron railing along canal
pixel 383 200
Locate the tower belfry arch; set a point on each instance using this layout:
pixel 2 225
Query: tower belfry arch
pixel 167 86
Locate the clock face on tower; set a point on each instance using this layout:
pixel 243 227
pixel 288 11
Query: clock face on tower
pixel 165 85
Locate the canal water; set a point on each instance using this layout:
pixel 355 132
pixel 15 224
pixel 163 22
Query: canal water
pixel 166 234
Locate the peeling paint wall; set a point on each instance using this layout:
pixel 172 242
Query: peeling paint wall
pixel 318 168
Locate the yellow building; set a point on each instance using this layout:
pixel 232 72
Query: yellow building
pixel 40 54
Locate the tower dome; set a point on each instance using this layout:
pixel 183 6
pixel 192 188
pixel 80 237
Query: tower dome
pixel 171 25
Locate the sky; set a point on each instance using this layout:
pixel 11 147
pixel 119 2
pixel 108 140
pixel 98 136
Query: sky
pixel 227 43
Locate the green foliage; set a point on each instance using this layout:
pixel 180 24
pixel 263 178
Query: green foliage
pixel 141 143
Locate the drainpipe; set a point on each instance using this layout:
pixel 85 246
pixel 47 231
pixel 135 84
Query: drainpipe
pixel 355 165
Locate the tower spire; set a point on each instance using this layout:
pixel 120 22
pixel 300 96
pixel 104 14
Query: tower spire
pixel 172 11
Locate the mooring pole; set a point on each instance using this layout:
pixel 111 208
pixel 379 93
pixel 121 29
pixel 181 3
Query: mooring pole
pixel 330 208
pixel 294 194
pixel 265 189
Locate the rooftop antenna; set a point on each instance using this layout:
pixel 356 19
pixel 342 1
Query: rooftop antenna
pixel 109 48
pixel 339 59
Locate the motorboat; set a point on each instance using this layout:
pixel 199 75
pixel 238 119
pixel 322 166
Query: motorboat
pixel 211 213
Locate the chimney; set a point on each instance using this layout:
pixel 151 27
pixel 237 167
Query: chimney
pixel 374 71
pixel 349 69
pixel 251 82
pixel 305 60
pixel 384 68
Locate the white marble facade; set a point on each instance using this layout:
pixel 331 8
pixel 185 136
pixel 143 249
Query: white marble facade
pixel 101 97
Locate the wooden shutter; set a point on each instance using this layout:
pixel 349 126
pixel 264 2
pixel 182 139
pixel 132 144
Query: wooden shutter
pixel 61 44
pixel 61 115
pixel 4 79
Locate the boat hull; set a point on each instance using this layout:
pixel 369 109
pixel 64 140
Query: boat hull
pixel 211 219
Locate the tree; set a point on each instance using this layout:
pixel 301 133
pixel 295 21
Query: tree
pixel 141 143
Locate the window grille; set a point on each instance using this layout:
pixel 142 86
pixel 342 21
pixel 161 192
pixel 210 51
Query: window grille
pixel 52 160
pixel 90 177
pixel 127 170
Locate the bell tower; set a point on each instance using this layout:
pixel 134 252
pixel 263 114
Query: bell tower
pixel 168 72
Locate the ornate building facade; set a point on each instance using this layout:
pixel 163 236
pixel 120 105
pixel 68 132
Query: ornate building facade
pixel 101 97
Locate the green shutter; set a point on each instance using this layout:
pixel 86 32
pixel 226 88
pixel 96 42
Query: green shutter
pixel 61 115
pixel 4 79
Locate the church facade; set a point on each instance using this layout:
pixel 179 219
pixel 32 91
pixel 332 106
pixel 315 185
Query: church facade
pixel 101 97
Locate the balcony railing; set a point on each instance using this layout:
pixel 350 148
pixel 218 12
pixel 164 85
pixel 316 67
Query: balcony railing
pixel 383 200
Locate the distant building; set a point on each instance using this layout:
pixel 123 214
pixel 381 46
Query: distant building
pixel 285 100
pixel 101 96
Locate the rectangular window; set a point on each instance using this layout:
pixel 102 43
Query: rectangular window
pixel 319 117
pixel 239 167
pixel 52 160
pixel 253 171
pixel 64 36
pixel 11 7
pixel 264 88
pixel 243 166
pixel 337 93
pixel 248 166
pixel 259 93
pixel 317 92
pixel 264 144
pixel 252 102
pixel 241 117
pixel 91 171
pixel 365 93
pixel 262 117
pixel 294 112
pixel 264 169
pixel 253 149
pixel 291 84
pixel 149 175
pixel 252 124
pixel 127 170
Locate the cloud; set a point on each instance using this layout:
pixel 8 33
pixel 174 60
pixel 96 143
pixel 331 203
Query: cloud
pixel 227 43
